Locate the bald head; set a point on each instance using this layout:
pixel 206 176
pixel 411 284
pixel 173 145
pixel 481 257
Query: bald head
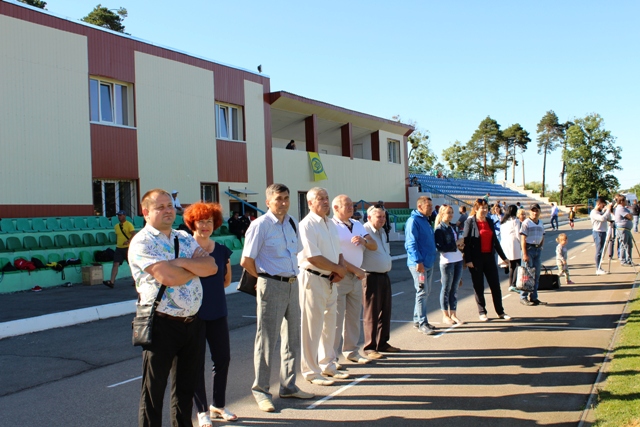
pixel 342 207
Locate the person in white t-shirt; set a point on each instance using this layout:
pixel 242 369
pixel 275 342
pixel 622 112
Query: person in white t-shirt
pixel 176 202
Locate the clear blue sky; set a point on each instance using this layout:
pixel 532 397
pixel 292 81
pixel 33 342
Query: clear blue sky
pixel 445 64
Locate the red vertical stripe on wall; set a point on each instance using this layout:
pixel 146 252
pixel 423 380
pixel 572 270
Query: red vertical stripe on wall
pixel 232 161
pixel 347 144
pixel 114 152
pixel 375 146
pixel 311 133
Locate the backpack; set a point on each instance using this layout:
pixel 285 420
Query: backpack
pixel 37 263
pixel 8 267
pixel 104 256
pixel 23 264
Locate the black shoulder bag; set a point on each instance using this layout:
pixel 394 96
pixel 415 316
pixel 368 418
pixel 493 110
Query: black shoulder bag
pixel 142 324
pixel 247 283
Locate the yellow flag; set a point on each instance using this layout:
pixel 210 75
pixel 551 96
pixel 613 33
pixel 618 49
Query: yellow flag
pixel 316 166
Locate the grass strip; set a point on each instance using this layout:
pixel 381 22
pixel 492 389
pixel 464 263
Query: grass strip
pixel 619 399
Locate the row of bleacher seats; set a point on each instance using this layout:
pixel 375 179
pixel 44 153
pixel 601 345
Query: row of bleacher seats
pixel 463 186
pixel 58 241
pixel 66 223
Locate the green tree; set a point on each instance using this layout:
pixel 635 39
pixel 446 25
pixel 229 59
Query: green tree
pixel 591 157
pixel 35 3
pixel 106 18
pixel 515 137
pixel 462 159
pixel 421 157
pixel 485 142
pixel 549 133
pixel 565 126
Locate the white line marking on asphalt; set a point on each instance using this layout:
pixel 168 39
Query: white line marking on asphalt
pixel 584 250
pixel 437 281
pixel 506 296
pixel 397 257
pixel 337 392
pixel 402 321
pixel 124 382
pixel 445 331
pixel 251 317
pixel 572 257
pixel 573 328
pixel 397 294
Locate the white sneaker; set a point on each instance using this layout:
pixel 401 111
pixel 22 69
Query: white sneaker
pixel 600 272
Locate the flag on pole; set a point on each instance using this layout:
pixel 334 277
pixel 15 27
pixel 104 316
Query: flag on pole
pixel 316 166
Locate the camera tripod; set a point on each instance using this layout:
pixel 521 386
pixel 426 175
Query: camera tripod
pixel 622 247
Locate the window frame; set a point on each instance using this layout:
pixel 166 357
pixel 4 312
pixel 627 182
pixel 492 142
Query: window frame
pixel 233 123
pixel 393 151
pixel 120 110
pixel 215 191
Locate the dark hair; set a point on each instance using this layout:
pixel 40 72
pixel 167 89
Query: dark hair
pixel 276 188
pixel 512 212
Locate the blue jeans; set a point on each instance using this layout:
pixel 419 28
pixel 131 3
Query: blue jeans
pixel 625 245
pixel 554 219
pixel 535 261
pixel 599 237
pixel 635 223
pixel 450 278
pixel 422 293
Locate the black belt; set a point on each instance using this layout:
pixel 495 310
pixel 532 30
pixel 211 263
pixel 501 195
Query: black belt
pixel 535 246
pixel 279 278
pixel 373 272
pixel 317 273
pixel 175 318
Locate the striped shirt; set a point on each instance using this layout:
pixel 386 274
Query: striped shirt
pixel 534 232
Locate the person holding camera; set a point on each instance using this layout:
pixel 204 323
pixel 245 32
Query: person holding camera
pixel 599 217
pixel 623 220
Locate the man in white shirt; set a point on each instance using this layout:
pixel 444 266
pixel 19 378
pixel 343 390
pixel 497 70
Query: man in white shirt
pixel 353 241
pixel 321 265
pixel 176 202
pixel 554 217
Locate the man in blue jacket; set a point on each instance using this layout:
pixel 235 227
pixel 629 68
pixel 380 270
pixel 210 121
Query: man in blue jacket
pixel 421 254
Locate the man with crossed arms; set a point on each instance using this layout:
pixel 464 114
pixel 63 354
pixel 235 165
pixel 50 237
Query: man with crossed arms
pixel 321 264
pixel 353 241
pixel 270 254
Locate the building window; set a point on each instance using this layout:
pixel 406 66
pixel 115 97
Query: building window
pixel 209 193
pixel 111 196
pixel 303 206
pixel 394 151
pixel 111 102
pixel 229 122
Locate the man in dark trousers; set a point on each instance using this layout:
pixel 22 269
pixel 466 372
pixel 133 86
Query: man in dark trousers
pixel 387 224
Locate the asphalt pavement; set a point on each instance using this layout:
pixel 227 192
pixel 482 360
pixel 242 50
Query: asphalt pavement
pixel 538 369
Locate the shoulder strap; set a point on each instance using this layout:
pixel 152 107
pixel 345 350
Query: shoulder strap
pixel 176 247
pixel 293 225
pixel 122 230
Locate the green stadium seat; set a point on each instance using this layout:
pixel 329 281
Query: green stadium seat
pixel 53 224
pixel 224 230
pixel 60 241
pixel 69 255
pixel 30 243
pixel 13 244
pixel 80 222
pixel 3 248
pixel 229 243
pixel 39 225
pixel 86 258
pixel 88 239
pixel 138 221
pixel 93 223
pixel 178 221
pixel 23 225
pixel 5 261
pixel 66 224
pixel 53 257
pixel 112 237
pixel 101 239
pixel 75 241
pixel 7 225
pixel 104 223
pixel 40 257
pixel 46 242
pixel 237 244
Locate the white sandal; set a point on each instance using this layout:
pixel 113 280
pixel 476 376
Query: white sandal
pixel 204 420
pixel 222 413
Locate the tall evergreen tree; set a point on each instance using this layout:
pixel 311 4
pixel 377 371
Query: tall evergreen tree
pixel 591 157
pixel 565 126
pixel 515 137
pixel 486 141
pixel 106 18
pixel 549 133
pixel 35 3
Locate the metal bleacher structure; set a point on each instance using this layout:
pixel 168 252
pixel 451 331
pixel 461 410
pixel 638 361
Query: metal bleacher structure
pixel 53 239
pixel 457 192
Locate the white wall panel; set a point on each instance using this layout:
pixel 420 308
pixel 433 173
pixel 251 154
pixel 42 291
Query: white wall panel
pixel 175 112
pixel 255 137
pixel 44 115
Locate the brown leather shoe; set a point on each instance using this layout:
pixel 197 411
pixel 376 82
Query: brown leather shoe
pixel 374 355
pixel 390 349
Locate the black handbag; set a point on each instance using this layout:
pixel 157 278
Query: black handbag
pixel 142 324
pixel 548 280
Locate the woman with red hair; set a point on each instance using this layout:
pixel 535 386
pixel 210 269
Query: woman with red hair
pixel 203 219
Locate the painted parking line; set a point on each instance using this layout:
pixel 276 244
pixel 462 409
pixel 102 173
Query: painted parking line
pixel 584 250
pixel 125 382
pixel 450 328
pixel 337 392
pixel 250 317
pixel 506 296
pixel 572 257
pixel 564 328
pixel 397 294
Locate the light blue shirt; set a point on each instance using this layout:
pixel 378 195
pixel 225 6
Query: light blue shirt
pixel 273 245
